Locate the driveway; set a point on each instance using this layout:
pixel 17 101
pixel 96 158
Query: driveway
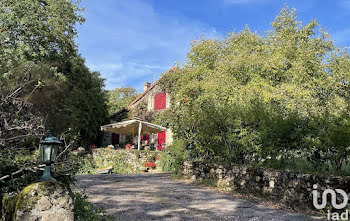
pixel 159 197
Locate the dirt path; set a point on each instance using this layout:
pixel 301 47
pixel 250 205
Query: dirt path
pixel 159 197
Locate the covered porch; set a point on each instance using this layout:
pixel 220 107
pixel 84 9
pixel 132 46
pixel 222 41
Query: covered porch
pixel 135 127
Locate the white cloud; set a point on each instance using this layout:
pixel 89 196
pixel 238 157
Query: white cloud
pixel 105 67
pixel 129 42
pixel 119 74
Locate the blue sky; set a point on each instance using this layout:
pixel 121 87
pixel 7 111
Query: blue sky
pixel 133 41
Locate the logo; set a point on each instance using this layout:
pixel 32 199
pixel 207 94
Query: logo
pixel 333 197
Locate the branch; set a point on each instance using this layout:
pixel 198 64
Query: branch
pixel 33 168
pixel 13 93
pixel 22 136
pixel 62 137
pixel 65 150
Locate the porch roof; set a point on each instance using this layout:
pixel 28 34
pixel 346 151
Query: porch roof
pixel 132 127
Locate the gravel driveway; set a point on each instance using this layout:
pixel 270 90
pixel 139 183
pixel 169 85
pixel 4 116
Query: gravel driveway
pixel 159 197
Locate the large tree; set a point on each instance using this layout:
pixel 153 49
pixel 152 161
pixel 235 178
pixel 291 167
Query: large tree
pixel 252 97
pixel 120 98
pixel 75 101
pixel 39 56
pixel 44 84
pixel 34 34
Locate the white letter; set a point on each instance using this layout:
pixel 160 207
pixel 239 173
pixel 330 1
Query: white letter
pixel 315 197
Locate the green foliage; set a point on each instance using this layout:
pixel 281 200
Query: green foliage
pixel 103 158
pixel 167 163
pixel 121 166
pixel 84 210
pixel 76 101
pixel 34 36
pixel 251 98
pixel 36 28
pixel 117 159
pixel 10 162
pixel 44 84
pixel 172 160
pixel 38 56
pixel 120 98
pixel 123 162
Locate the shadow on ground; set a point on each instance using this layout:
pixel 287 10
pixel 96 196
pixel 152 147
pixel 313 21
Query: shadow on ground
pixel 159 197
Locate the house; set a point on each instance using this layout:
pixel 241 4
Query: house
pixel 152 101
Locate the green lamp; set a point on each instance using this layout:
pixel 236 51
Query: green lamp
pixel 48 151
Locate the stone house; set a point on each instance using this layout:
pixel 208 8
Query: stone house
pixel 152 101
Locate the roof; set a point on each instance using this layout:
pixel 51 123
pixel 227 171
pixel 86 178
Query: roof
pixel 117 113
pixel 150 88
pixel 131 127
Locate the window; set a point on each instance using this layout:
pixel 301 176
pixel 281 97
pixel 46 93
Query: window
pixel 160 101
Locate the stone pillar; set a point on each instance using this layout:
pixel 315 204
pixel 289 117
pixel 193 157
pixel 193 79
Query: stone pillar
pixel 44 201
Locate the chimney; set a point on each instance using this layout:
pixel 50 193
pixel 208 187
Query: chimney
pixel 146 86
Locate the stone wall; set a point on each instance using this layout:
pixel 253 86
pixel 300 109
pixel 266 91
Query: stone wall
pixel 122 161
pixel 290 188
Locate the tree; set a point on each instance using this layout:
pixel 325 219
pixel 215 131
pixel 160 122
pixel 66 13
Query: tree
pixel 120 98
pixel 251 98
pixel 44 84
pixel 34 34
pixel 76 100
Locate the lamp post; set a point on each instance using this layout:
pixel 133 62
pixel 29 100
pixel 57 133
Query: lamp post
pixel 48 150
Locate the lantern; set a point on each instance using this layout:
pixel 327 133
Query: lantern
pixel 48 150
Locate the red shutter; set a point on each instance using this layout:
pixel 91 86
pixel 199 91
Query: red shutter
pixel 160 101
pixel 161 140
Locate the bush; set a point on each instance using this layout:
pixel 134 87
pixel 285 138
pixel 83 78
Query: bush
pixel 122 161
pixel 120 164
pixel 102 158
pixel 84 210
pixel 253 98
pixel 172 160
pixel 167 163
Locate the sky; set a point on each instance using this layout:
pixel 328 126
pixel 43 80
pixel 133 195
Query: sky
pixel 133 41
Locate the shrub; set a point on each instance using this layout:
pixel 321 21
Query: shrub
pixel 123 162
pixel 172 160
pixel 84 210
pixel 167 163
pixel 120 163
pixel 250 98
